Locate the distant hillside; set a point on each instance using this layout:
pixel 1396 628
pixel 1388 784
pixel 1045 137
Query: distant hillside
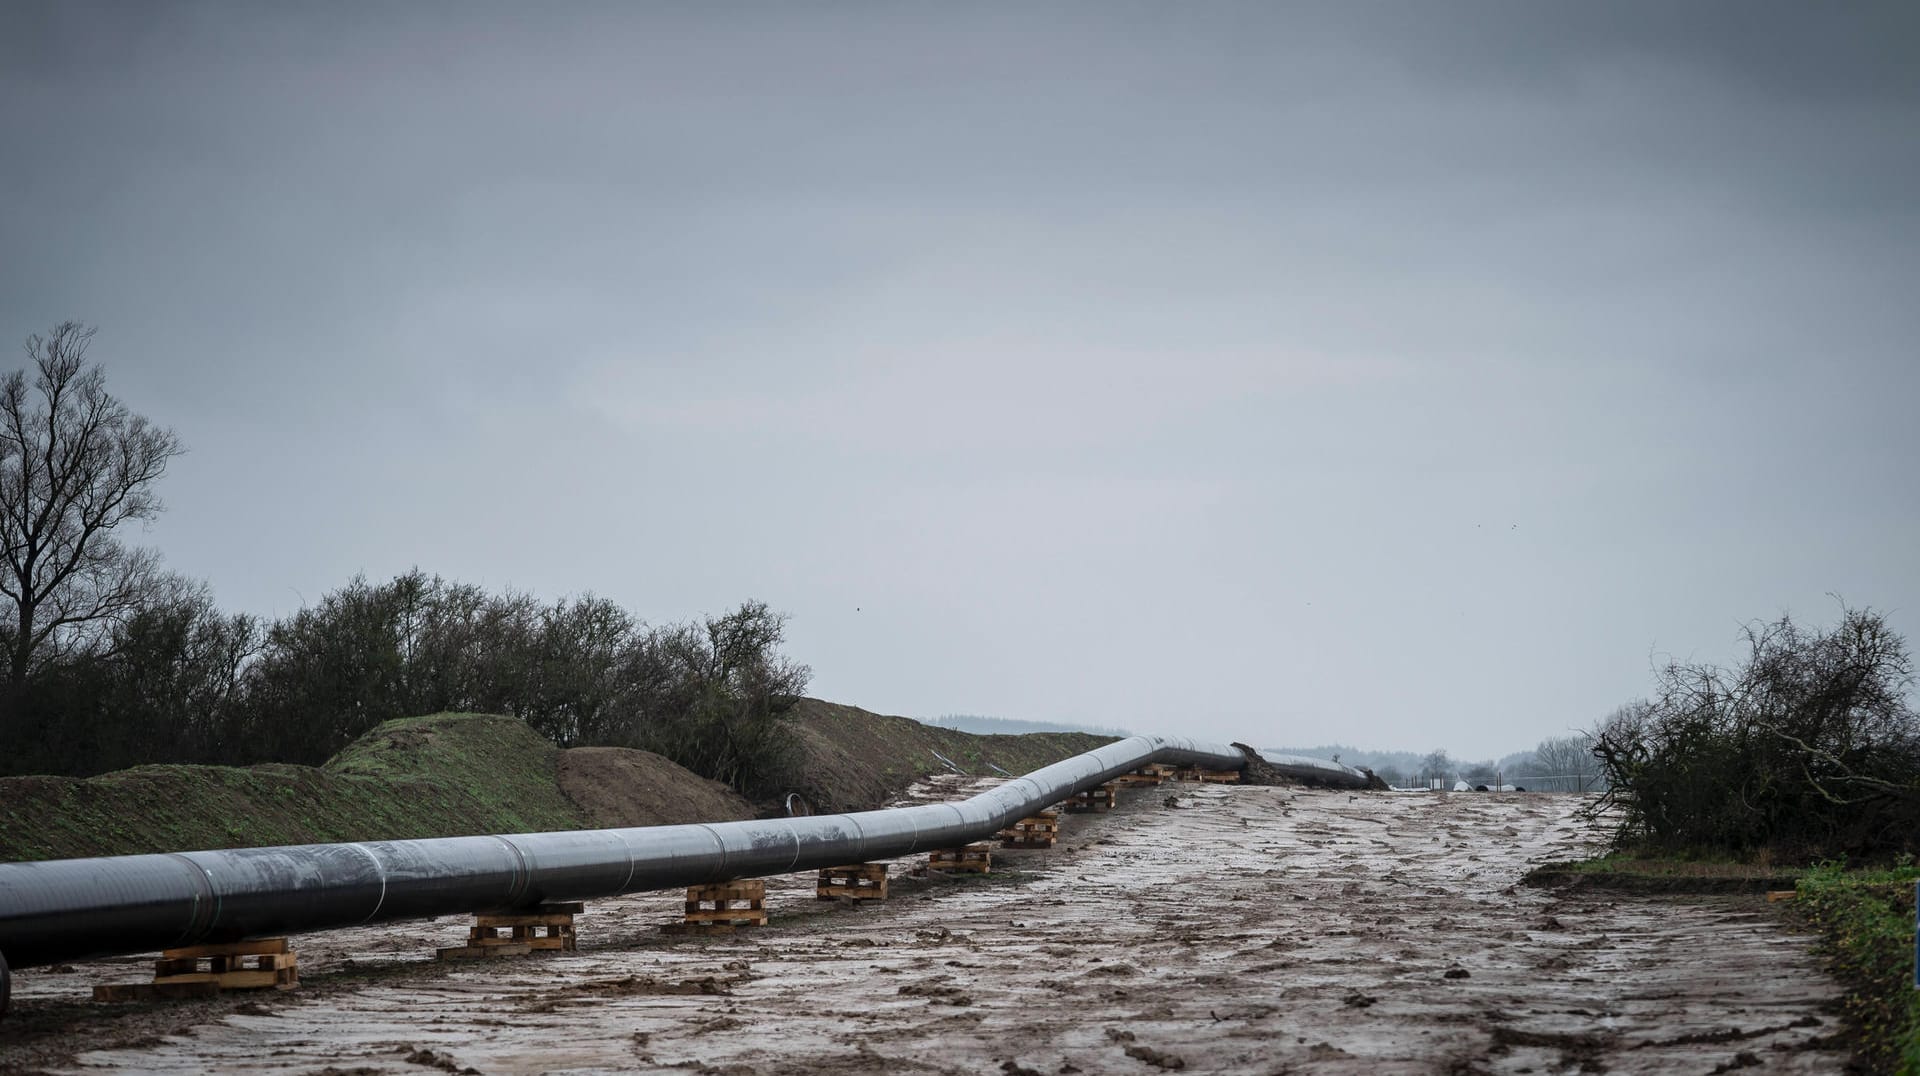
pixel 855 759
pixel 1007 726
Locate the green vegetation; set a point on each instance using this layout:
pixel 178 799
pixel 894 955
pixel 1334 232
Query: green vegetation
pixel 179 681
pixel 1704 866
pixel 1866 920
pixel 1630 873
pixel 440 776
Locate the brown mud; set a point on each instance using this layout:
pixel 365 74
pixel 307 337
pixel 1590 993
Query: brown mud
pixel 1196 928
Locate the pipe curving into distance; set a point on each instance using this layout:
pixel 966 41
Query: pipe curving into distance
pixel 1315 769
pixel 72 909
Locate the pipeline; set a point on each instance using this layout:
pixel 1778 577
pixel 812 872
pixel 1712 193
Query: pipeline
pixel 74 909
pixel 1315 770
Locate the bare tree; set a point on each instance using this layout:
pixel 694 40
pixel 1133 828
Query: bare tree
pixel 1480 773
pixel 75 465
pixel 1560 764
pixel 1565 756
pixel 1809 749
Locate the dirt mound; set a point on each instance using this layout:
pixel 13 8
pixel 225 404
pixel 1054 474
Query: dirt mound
pixel 854 759
pixel 619 786
pixel 441 776
pixel 1258 771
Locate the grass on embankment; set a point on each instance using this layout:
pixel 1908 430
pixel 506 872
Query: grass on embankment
pixel 453 774
pixel 1866 924
pixel 1635 873
pixel 852 759
pixel 445 775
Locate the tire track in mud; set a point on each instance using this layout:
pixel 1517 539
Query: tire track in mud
pixel 1205 928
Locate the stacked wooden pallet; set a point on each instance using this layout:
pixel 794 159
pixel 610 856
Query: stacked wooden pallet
pixel 1098 798
pixel 724 908
pixel 860 881
pixel 179 972
pixel 976 858
pixel 1040 831
pixel 1152 775
pixel 545 928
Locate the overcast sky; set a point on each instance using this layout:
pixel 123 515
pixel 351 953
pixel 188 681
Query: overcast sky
pixel 1408 376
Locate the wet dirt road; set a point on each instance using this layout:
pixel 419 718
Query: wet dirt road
pixel 1204 928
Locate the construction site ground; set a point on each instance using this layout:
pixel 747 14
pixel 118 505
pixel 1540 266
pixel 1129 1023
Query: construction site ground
pixel 1203 928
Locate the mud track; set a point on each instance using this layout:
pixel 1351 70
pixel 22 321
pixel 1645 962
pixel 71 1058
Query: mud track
pixel 1210 929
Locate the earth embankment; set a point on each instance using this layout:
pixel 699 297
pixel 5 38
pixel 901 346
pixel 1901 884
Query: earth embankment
pixel 455 774
pixel 853 759
pixel 439 776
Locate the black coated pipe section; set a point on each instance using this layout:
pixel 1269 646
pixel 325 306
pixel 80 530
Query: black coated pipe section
pixel 72 909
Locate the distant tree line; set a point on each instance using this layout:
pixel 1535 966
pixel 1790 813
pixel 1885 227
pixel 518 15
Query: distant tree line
pixel 177 680
pixel 1556 764
pixel 113 662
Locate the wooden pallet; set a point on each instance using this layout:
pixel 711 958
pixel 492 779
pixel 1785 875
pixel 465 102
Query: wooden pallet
pixel 1039 831
pixel 719 909
pixel 1152 775
pixel 976 858
pixel 1219 777
pixel 260 964
pixel 544 928
pixel 860 881
pixel 1098 798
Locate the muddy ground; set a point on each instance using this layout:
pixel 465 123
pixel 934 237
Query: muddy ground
pixel 1215 929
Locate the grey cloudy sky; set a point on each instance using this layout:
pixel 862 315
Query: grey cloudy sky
pixel 1406 375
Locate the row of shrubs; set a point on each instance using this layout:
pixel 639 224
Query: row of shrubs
pixel 181 681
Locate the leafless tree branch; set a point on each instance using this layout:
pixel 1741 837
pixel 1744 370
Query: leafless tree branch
pixel 75 465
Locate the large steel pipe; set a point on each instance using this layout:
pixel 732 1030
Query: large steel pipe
pixel 1315 769
pixel 71 909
